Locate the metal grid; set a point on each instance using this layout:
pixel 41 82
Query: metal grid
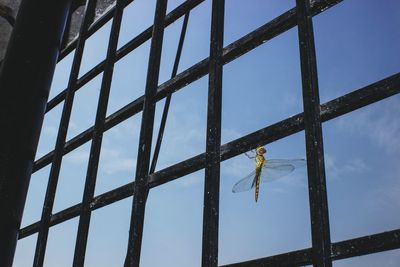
pixel 322 251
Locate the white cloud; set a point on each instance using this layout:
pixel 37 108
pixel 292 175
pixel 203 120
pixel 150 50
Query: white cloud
pixel 380 124
pixel 228 135
pixel 119 165
pixel 77 157
pixel 190 180
pixel 50 130
pixel 114 161
pixel 387 194
pixel 336 170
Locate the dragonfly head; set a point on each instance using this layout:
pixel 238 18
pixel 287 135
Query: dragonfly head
pixel 261 150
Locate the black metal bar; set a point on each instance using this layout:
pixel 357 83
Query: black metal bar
pixel 61 136
pixel 330 110
pixel 277 26
pixel 85 215
pixel 168 99
pixel 294 258
pixel 96 25
pixel 100 201
pixel 321 241
pixel 366 245
pixel 213 142
pixel 146 135
pixel 232 51
pixel 173 16
pixel 341 250
pixel 322 252
pixel 25 79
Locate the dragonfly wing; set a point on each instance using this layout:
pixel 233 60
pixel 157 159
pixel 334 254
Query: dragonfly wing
pixel 272 173
pixel 297 163
pixel 244 184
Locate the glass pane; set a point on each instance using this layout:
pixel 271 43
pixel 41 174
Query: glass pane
pixel 84 108
pixel 72 178
pixel 137 17
pixel 25 251
pixel 185 131
pixel 108 235
pixel 129 78
pixel 262 87
pixel 173 223
pixel 95 49
pixel 357 44
pixel 242 17
pixel 279 222
pixel 61 244
pixel 118 155
pixel 361 157
pixel 49 131
pixel 197 41
pixel 61 75
pixel 35 198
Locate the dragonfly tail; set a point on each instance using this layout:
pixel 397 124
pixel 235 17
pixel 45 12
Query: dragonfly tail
pixel 257 186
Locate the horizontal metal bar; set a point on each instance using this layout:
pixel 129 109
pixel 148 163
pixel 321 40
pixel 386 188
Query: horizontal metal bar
pixel 232 51
pixel 366 245
pixel 335 108
pixel 332 109
pixel 173 16
pixel 100 201
pixel 341 250
pixel 293 258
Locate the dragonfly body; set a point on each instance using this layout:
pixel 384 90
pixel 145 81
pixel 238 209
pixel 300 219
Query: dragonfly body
pixel 266 171
pixel 260 162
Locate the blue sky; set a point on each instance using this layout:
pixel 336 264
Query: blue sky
pixel 357 44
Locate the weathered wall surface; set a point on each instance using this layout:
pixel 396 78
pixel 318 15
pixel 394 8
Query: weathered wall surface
pixel 8 11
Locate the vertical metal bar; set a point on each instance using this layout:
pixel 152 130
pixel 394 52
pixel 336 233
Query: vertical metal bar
pixel 91 175
pixel 213 153
pixel 321 242
pixel 168 99
pixel 61 136
pixel 25 79
pixel 146 134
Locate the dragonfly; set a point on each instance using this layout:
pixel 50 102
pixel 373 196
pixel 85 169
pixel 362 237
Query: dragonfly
pixel 266 171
